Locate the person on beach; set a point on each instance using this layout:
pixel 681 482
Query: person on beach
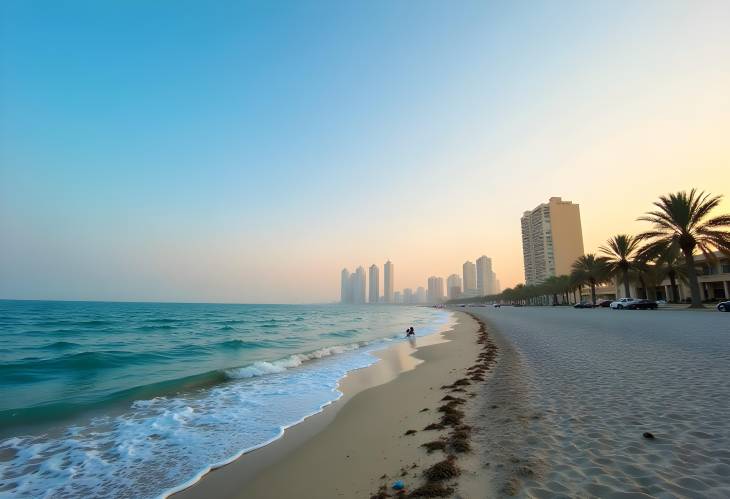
pixel 410 332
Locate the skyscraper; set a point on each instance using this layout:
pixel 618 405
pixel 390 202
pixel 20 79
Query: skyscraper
pixel 397 297
pixel 469 271
pixel 345 288
pixel 435 292
pixel 374 290
pixel 453 286
pixel 358 285
pixel 388 282
pixel 485 276
pixel 408 298
pixel 420 295
pixel 552 239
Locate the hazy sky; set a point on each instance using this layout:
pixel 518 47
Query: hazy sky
pixel 247 151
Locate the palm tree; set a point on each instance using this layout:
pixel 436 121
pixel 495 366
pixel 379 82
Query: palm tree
pixel 620 250
pixel 682 219
pixel 668 257
pixel 591 270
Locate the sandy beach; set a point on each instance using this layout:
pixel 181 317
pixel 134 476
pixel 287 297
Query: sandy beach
pixel 374 435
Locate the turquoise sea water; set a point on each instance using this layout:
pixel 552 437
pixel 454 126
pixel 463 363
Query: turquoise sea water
pixel 137 399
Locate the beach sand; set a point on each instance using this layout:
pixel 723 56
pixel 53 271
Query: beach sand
pixel 358 444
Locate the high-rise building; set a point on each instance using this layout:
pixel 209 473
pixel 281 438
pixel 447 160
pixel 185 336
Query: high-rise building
pixel 345 288
pixel 408 297
pixel 486 278
pixel 435 289
pixel 397 297
pixel 374 289
pixel 469 271
pixel 453 286
pixel 552 239
pixel 388 282
pixel 420 294
pixel 358 285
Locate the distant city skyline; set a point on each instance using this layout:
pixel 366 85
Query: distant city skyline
pixel 246 153
pixel 477 279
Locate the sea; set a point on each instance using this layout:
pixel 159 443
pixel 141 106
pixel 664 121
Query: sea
pixel 101 399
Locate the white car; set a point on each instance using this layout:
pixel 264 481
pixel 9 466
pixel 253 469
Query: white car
pixel 623 303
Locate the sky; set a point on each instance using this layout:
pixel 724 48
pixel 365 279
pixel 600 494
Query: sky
pixel 246 152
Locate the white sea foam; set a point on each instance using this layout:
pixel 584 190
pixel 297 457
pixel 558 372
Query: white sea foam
pixel 278 366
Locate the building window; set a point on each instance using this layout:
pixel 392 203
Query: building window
pixel 725 265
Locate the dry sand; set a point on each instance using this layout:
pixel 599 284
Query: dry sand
pixel 358 444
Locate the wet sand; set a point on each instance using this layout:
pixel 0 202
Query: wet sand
pixel 358 444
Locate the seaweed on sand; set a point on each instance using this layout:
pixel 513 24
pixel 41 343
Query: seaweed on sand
pixel 443 470
pixel 432 490
pixel 434 446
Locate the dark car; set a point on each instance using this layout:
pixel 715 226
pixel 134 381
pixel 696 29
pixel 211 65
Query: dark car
pixel 604 303
pixel 724 306
pixel 583 304
pixel 642 305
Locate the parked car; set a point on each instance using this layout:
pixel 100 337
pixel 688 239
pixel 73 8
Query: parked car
pixel 724 306
pixel 661 302
pixel 642 305
pixel 497 305
pixel 622 303
pixel 604 303
pixel 583 304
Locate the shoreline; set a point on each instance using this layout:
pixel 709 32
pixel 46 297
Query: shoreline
pixel 401 389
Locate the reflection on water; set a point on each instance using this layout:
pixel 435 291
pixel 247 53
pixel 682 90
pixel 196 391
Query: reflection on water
pixel 412 341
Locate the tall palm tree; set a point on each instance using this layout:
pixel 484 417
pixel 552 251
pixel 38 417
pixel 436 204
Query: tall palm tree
pixel 619 251
pixel 668 258
pixel 681 218
pixel 591 270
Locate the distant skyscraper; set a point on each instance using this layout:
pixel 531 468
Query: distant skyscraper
pixel 374 290
pixel 552 239
pixel 420 295
pixel 408 297
pixel 358 285
pixel 469 271
pixel 485 276
pixel 435 289
pixel 388 282
pixel 345 288
pixel 453 286
pixel 397 297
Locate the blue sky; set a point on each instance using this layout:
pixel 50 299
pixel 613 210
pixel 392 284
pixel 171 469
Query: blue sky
pixel 246 151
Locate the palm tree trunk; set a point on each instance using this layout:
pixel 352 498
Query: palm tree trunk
pixel 627 290
pixel 643 286
pixel 694 283
pixel 593 292
pixel 673 283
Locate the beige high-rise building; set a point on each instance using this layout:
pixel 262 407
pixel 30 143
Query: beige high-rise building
pixel 374 289
pixel 469 273
pixel 388 282
pixel 435 293
pixel 453 286
pixel 552 239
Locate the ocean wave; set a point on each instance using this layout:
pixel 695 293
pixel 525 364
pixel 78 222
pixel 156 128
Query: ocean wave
pixel 60 345
pixel 81 361
pixel 155 328
pixel 242 344
pixel 345 333
pixel 263 368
